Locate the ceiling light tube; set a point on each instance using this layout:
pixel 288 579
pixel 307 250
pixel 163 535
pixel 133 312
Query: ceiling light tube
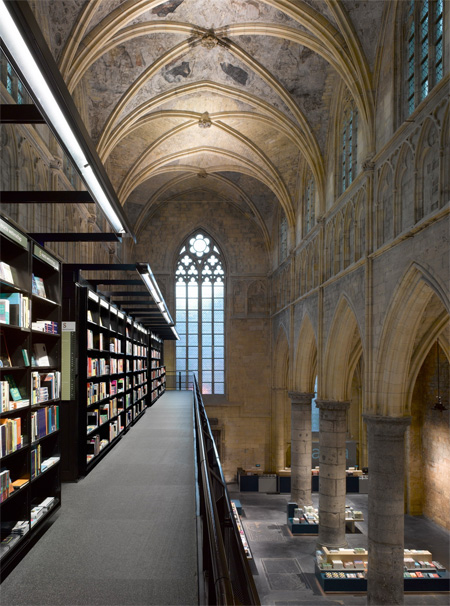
pixel 38 86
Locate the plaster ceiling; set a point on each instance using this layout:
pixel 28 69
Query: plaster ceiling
pixel 212 99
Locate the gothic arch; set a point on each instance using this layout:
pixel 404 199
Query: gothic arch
pixel 400 329
pixel 305 369
pixel 404 190
pixel 360 226
pixel 427 170
pixel 344 337
pixel 384 215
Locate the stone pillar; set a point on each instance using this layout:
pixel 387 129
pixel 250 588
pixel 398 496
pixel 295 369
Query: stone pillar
pixel 301 447
pixel 386 439
pixel 332 480
pixel 278 428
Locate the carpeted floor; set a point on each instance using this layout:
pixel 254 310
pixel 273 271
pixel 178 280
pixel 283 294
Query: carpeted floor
pixel 125 534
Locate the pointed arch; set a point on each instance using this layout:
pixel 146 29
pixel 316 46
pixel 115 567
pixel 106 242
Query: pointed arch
pixel 344 338
pixel 392 366
pixel 305 368
pixel 281 359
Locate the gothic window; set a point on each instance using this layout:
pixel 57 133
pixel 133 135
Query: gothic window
pixel 423 56
pixel 11 81
pixel 349 136
pixel 310 211
pixel 282 237
pixel 200 309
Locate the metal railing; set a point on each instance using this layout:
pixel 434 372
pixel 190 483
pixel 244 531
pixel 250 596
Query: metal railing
pixel 225 577
pixel 179 380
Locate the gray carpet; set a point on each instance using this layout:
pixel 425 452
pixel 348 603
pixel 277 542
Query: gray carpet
pixel 126 534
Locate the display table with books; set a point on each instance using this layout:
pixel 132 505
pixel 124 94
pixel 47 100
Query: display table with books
pixel 346 570
pixel 305 520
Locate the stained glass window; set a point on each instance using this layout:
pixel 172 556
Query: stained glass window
pixel 349 134
pixel 283 236
pixel 423 50
pixel 310 212
pixel 200 320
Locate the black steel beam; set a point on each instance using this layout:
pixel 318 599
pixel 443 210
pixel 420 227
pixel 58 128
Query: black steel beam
pixel 75 237
pixel 20 114
pixel 46 197
pixel 125 293
pixel 101 267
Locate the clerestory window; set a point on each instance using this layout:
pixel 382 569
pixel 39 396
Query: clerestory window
pixel 349 139
pixel 200 313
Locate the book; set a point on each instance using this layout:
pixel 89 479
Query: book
pixel 41 355
pixel 4 311
pixel 38 287
pixel 26 359
pixel 5 360
pixel 15 307
pixel 14 391
pixel 6 272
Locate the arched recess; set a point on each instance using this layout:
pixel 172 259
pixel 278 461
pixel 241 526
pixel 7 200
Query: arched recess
pixel 281 406
pixel 384 216
pixel 404 190
pixel 305 369
pixel 405 320
pixel 341 354
pixel 427 170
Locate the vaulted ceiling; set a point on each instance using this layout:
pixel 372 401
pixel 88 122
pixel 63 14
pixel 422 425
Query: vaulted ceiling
pixel 213 99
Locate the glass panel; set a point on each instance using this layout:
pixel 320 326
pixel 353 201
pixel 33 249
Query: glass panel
pixel 207 375
pixel 180 316
pixel 218 339
pixel 181 342
pixel 181 329
pixel 206 388
pixel 193 365
pixel 218 352
pixel 219 388
pixel 206 316
pixel 206 291
pixel 219 364
pixel 218 304
pixel 193 328
pixel 218 377
pixel 218 316
pixel 192 291
pixel 206 365
pixel 180 290
pixel 193 352
pixel 206 304
pixel 193 340
pixel 206 339
pixel 207 329
pixel 207 352
pixel 181 364
pixel 218 329
pixel 192 304
pixel 218 291
pixel 192 316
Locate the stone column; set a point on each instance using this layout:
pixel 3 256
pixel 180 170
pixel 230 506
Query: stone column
pixel 301 447
pixel 386 439
pixel 332 460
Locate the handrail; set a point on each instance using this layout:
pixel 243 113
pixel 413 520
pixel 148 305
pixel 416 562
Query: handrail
pixel 224 567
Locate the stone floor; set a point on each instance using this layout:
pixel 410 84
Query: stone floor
pixel 283 565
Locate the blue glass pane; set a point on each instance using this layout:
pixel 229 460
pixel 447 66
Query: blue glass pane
pixel 181 342
pixel 206 291
pixel 207 329
pixel 218 316
pixel 206 316
pixel 180 316
pixel 206 388
pixel 219 364
pixel 218 340
pixel 206 339
pixel 181 329
pixel 207 376
pixel 193 340
pixel 193 328
pixel 219 388
pixel 218 304
pixel 218 291
pixel 206 304
pixel 207 352
pixel 219 329
pixel 193 352
pixel 218 377
pixel 206 364
pixel 180 291
pixel 192 316
pixel 193 365
pixel 218 352
pixel 192 304
pixel 181 365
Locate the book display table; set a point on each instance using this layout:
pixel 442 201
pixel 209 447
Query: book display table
pixel 354 482
pixel 345 570
pixel 305 520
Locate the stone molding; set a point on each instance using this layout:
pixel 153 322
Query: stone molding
pixel 332 405
pixel 299 397
pixel 383 426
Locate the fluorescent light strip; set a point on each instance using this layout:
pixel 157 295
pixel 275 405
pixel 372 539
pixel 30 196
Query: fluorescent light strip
pixel 37 83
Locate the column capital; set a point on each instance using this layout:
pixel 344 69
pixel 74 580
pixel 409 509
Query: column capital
pixel 386 426
pixel 332 405
pixel 300 397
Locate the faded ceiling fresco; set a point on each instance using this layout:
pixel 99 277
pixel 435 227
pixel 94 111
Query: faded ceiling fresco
pixel 213 99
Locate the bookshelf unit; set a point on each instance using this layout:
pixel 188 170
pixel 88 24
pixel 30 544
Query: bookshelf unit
pixel 109 389
pixel 30 348
pixel 157 368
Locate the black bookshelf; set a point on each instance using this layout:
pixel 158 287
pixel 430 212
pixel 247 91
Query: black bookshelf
pixel 105 377
pixel 157 368
pixel 30 350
